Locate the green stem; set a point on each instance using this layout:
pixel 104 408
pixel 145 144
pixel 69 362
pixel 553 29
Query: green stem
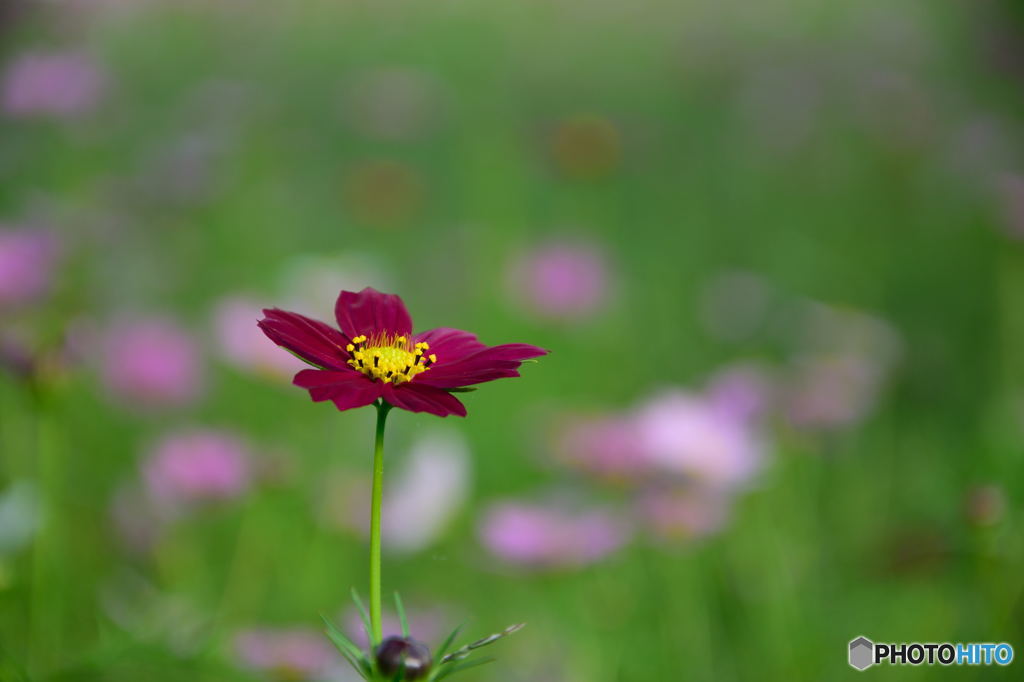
pixel 375 506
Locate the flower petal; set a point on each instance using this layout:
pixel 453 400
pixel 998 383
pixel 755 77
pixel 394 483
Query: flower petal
pixel 415 398
pixel 450 344
pixel 312 340
pixel 492 363
pixel 347 389
pixel 370 312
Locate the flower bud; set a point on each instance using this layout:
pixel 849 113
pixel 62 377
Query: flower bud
pixel 395 652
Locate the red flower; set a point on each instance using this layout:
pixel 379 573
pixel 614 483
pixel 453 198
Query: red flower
pixel 376 356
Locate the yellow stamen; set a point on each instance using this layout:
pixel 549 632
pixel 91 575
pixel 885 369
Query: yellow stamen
pixel 389 358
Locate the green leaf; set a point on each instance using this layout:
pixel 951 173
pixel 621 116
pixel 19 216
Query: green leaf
pixel 464 651
pixel 366 619
pixel 451 669
pixel 401 615
pixel 359 665
pixel 443 649
pixel 352 653
pixel 339 638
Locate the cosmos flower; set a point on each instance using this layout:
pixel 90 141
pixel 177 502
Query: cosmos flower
pixel 285 653
pixel 375 356
pixel 428 491
pixel 195 467
pixel 744 391
pixel 151 362
pixel 841 368
pixel 683 513
pixel 828 393
pixel 607 446
pixel 27 260
pixel 560 280
pixel 16 357
pixel 243 346
pixel 180 473
pixel 711 437
pixel 687 434
pixel 58 85
pixel 546 536
pixel 683 456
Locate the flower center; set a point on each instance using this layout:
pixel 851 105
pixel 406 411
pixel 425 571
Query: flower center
pixel 389 358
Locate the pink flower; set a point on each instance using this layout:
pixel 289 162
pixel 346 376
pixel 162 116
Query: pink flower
pixel 58 85
pixel 546 536
pixel 688 434
pixel 27 261
pixel 712 437
pixel 684 513
pixel 686 454
pixel 17 356
pixel 427 492
pixel 607 446
pixel 842 364
pixel 196 467
pixel 560 280
pixel 244 345
pixel 295 653
pixel 744 392
pixel 151 362
pixel 832 392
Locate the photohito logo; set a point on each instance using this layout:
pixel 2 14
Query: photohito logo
pixel 864 653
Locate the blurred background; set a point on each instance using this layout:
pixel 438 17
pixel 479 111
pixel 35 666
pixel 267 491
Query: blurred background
pixel 775 249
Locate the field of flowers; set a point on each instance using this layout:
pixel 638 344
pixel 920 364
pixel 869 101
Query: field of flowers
pixel 775 250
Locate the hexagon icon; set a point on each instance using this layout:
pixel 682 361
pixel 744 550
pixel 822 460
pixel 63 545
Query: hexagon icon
pixel 862 653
